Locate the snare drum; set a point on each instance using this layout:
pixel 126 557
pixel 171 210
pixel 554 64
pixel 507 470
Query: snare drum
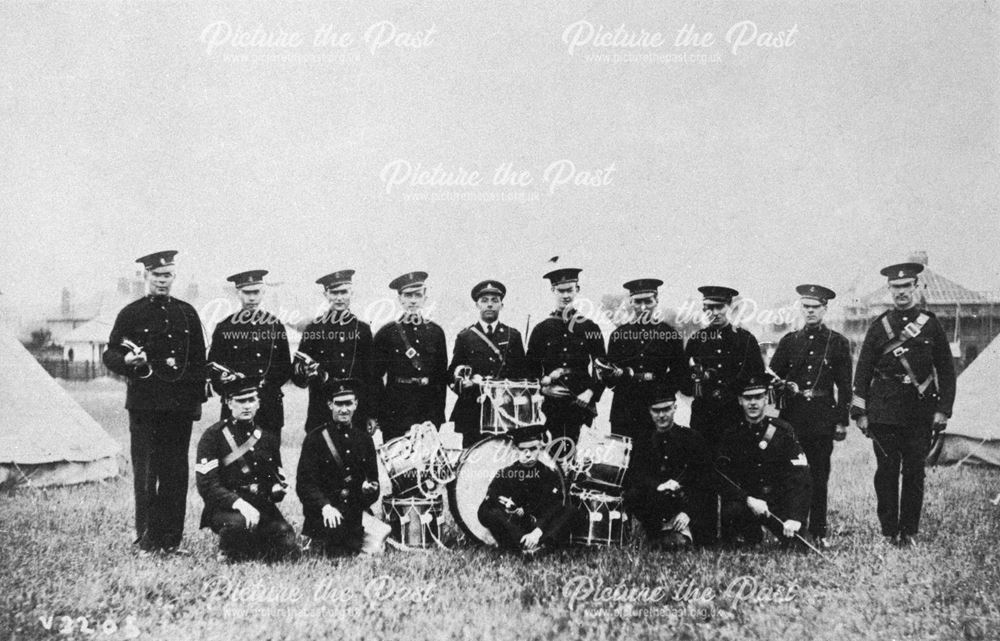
pixel 415 522
pixel 606 523
pixel 416 464
pixel 509 405
pixel 601 460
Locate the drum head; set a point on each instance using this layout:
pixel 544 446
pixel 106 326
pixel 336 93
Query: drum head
pixel 476 469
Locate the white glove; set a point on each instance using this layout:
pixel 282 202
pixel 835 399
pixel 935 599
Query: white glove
pixel 668 486
pixel 792 528
pixel 530 540
pixel 757 506
pixel 135 360
pixel 682 520
pixel 331 516
pixel 249 512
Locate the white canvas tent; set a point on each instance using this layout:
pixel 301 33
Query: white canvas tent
pixel 973 434
pixel 46 438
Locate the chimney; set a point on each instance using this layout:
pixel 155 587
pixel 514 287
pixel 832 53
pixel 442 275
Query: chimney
pixel 66 305
pixel 919 256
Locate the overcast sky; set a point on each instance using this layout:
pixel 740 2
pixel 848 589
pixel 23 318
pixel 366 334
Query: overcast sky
pixel 228 132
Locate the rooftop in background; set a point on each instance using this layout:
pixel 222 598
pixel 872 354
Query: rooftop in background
pixel 934 288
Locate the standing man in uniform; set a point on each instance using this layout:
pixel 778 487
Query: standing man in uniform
pixel 253 343
pixel 158 346
pixel 487 349
pixel 642 354
pixel 336 345
pixel 904 388
pixel 719 355
pixel 337 478
pixel 810 363
pixel 411 356
pixel 561 351
pixel 238 474
pixel 670 486
pixel 763 473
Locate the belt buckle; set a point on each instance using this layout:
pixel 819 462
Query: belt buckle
pixel 907 379
pixel 899 351
pixel 646 376
pixel 808 394
pixel 410 353
pixel 423 380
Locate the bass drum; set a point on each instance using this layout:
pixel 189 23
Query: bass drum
pixel 476 468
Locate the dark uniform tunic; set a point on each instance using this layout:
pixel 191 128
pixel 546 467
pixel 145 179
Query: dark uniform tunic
pixel 899 416
pixel 570 344
pixel 250 477
pixel 679 453
pixel 412 358
pixel 535 489
pixel 323 480
pixel 161 409
pixel 816 359
pixel 503 360
pixel 778 473
pixel 256 345
pixel 342 345
pixel 721 356
pixel 655 354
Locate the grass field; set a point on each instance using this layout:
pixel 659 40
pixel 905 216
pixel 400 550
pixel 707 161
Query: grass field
pixel 65 556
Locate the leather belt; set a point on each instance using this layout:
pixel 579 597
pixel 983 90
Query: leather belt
pixel 413 380
pixel 810 394
pixel 644 376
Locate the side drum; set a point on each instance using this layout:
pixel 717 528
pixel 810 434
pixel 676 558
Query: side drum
pixel 509 405
pixel 415 522
pixel 606 523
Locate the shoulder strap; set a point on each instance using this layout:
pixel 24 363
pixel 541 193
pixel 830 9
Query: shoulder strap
pixel 410 352
pixel 338 461
pixel 238 451
pixel 912 330
pixel 496 350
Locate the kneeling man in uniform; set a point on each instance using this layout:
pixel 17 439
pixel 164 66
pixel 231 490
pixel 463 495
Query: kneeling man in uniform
pixel 670 485
pixel 238 474
pixel 337 479
pixel 524 508
pixel 763 474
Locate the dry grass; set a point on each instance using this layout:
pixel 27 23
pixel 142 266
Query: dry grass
pixel 67 552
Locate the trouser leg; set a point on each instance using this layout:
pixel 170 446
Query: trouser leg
pixel 506 530
pixel 888 459
pixel 275 538
pixel 170 467
pixel 738 522
pixel 346 538
pixel 818 451
pixel 914 447
pixel 235 540
pixel 143 481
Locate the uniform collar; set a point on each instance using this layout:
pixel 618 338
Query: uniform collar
pixel 333 427
pixel 486 326
pixel 244 428
pixel 819 329
pixel 757 429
